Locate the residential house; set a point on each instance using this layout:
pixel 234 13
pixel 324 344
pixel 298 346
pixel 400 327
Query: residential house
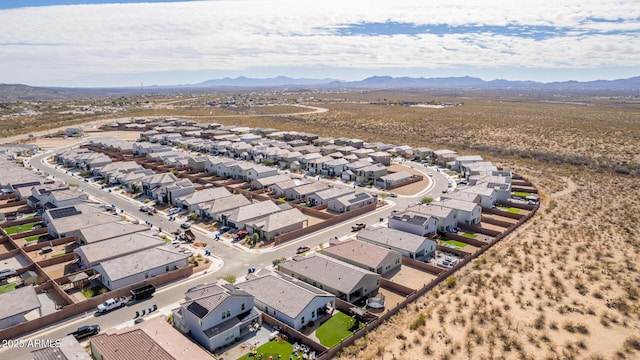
pixel 334 167
pixel 404 151
pixel 365 255
pixel 16 304
pixel 65 221
pixel 216 208
pixel 106 231
pixel 67 348
pixel 394 180
pixel 468 212
pixel 487 195
pixel 345 281
pixel 362 153
pixel 194 200
pixel 133 268
pixel 301 192
pixel 410 245
pixel 352 201
pixel 461 161
pixel 503 190
pixel 216 315
pixel 112 170
pixel 291 301
pixel 240 169
pixel 145 148
pixel 446 218
pixel 477 168
pixel 265 182
pixel 315 166
pixel 269 226
pixel 156 181
pixel 464 195
pixel 414 223
pixel 169 193
pixel 381 157
pixel 238 217
pixel 260 172
pixel 422 153
pixel 323 197
pixel 281 188
pixel 369 174
pixel 64 198
pixel 92 254
pixel 156 336
pixel 444 156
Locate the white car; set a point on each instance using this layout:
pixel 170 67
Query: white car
pixel 174 210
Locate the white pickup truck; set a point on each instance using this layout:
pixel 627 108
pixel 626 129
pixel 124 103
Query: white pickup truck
pixel 112 304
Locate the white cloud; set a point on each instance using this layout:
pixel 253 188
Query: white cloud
pixel 50 44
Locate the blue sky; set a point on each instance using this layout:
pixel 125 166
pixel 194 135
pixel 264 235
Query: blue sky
pixel 122 43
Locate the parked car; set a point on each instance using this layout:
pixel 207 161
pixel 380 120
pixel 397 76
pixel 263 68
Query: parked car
pixel 174 210
pixel 358 227
pixel 7 273
pixel 84 332
pixel 223 229
pixel 302 249
pixel 393 195
pixel 185 225
pixel 112 304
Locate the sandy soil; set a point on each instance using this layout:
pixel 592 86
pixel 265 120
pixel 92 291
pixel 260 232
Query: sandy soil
pixel 411 188
pixel 550 290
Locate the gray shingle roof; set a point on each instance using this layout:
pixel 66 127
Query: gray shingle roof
pixel 284 296
pixel 136 263
pixel 360 252
pixel 394 238
pixel 325 270
pixel 18 301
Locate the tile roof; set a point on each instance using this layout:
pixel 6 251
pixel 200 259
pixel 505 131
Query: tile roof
pixel 134 344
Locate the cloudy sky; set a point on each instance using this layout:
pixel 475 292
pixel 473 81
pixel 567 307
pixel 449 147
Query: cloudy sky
pixel 120 43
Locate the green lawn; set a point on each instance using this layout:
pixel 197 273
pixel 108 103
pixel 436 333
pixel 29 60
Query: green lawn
pixel 469 235
pixel 33 238
pixel 453 243
pixel 7 288
pixel 272 348
pixel 509 209
pixel 339 327
pixel 58 255
pixel 522 194
pixel 21 228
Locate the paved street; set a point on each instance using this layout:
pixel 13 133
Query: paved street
pixel 234 260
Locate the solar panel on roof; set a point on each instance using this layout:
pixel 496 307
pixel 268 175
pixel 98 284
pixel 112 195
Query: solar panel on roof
pixel 197 309
pixel 64 212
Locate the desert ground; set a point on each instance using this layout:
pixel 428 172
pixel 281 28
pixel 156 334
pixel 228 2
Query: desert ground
pixel 563 286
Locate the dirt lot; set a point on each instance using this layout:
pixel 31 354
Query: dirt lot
pixel 391 298
pixel 38 256
pixel 57 142
pixel 5 248
pixel 411 188
pixel 411 277
pixel 58 270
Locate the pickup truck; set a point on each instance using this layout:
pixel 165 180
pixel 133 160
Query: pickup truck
pixel 358 227
pixel 84 332
pixel 112 304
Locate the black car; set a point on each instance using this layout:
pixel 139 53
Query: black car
pixel 84 332
pixel 302 249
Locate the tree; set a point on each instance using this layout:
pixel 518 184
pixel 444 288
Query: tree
pixel 426 200
pixel 255 237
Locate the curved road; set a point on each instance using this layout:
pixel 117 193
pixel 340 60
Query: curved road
pixel 236 260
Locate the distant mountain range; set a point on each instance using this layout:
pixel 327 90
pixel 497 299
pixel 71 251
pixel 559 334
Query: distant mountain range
pixel 9 92
pixel 388 82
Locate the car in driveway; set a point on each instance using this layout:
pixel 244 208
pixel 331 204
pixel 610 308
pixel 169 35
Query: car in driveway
pixel 302 249
pixel 7 273
pixel 185 225
pixel 223 229
pixel 174 210
pixel 86 331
